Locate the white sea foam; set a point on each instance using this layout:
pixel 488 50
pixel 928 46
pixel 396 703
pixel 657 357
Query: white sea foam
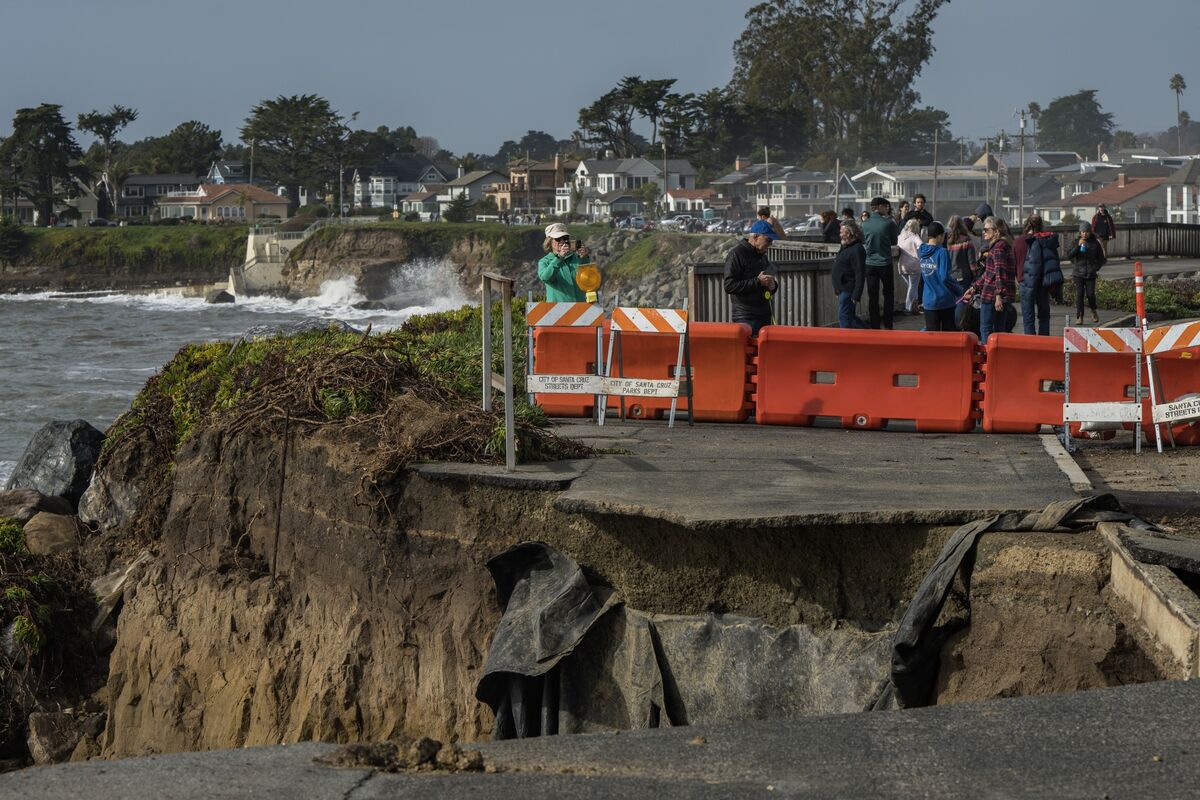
pixel 6 468
pixel 418 287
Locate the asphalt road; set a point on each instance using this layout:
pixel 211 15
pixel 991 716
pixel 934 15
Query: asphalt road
pixel 1126 742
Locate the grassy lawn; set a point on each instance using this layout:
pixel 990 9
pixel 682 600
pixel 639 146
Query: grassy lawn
pixel 136 246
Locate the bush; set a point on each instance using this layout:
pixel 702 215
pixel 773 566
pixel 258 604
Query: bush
pixel 412 216
pixel 317 210
pixel 459 210
pixel 13 240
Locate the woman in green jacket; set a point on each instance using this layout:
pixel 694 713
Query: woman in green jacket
pixel 557 268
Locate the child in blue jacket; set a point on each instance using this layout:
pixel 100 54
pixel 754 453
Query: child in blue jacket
pixel 940 291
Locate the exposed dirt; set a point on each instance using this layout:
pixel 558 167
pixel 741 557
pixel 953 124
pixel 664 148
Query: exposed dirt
pixel 1042 620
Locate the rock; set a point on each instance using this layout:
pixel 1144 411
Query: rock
pixel 303 326
pixel 370 305
pixel 49 534
pixel 22 504
pixel 52 736
pixel 59 460
pixel 109 503
pixel 87 749
pixel 110 588
pixel 219 296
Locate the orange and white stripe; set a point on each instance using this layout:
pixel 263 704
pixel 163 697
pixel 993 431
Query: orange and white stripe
pixel 563 315
pixel 1102 340
pixel 650 320
pixel 1173 337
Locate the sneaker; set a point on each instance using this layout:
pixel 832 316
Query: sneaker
pixel 1095 316
pixel 1079 319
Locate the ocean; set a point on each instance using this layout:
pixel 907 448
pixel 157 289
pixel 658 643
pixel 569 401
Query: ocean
pixel 65 356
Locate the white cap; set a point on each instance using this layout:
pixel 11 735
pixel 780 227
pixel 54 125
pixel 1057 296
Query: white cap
pixel 556 230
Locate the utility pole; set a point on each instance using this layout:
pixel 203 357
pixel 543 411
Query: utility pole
pixel 1021 184
pixel 837 186
pixel 767 173
pixel 987 166
pixel 933 203
pixel 665 184
pixel 528 180
pixel 962 149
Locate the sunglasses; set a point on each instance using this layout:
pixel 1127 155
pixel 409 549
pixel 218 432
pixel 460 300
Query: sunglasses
pixel 562 239
pixel 986 228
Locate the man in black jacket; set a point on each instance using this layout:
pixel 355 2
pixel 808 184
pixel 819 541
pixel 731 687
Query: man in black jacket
pixel 750 279
pixel 918 212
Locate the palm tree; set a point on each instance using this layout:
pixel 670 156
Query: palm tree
pixel 1177 86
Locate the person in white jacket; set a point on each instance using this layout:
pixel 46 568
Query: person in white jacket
pixel 910 263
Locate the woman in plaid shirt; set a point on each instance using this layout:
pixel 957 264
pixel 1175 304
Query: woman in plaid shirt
pixel 997 286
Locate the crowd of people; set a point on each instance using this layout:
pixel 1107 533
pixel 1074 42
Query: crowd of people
pixel 971 273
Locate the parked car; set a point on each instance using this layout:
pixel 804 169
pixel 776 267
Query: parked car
pixel 100 222
pixel 637 222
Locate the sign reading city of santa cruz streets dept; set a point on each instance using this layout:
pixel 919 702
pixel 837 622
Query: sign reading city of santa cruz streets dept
pixel 1181 410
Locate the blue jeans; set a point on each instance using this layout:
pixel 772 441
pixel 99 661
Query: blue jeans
pixel 846 316
pixel 755 324
pixel 1035 310
pixel 989 319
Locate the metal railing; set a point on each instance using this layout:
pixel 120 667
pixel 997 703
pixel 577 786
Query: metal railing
pixel 805 295
pixel 1143 239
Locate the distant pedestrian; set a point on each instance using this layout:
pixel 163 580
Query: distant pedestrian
pixel 997 286
pixel 1042 271
pixel 918 211
pixel 910 263
pixel 961 246
pixel 902 213
pixel 849 274
pixel 848 213
pixel 764 214
pixel 880 235
pixel 939 290
pixel 1088 257
pixel 864 216
pixel 750 278
pixel 1104 227
pixel 830 227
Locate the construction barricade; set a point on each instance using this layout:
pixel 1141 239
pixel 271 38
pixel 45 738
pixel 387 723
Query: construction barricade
pixel 867 379
pixel 1095 389
pixel 1022 384
pixel 565 340
pixel 649 322
pixel 1173 357
pixel 721 362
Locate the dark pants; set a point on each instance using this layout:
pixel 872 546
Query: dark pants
pixel 990 320
pixel 940 320
pixel 1035 310
pixel 877 277
pixel 1084 285
pixel 847 316
pixel 755 324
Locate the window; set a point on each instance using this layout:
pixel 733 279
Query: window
pixel 876 189
pixel 133 191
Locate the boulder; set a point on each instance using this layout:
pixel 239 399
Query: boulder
pixel 22 504
pixel 53 736
pixel 109 504
pixel 49 534
pixel 59 460
pixel 219 296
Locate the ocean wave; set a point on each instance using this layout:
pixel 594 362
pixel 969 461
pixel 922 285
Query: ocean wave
pixel 6 469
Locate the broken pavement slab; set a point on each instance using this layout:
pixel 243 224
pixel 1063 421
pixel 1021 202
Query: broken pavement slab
pixel 753 475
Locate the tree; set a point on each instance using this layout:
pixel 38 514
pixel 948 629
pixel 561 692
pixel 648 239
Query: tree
pixel 41 158
pixel 297 140
pixel 1075 122
pixel 427 146
pixel 1178 85
pixel 106 125
pixel 380 147
pixel 1124 140
pixel 608 122
pixel 190 149
pixel 648 99
pixel 459 209
pixel 649 194
pixel 846 69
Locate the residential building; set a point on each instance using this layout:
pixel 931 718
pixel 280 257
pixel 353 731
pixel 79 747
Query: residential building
pixel 1183 194
pixel 227 172
pixel 229 202
pixel 79 197
pixel 791 192
pixel 471 185
pixel 140 194
pixel 596 179
pixel 384 187
pixel 1131 155
pixel 683 200
pixel 533 185
pixel 960 189
pixel 1128 200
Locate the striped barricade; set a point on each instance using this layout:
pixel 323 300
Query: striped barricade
pixel 1084 341
pixel 565 342
pixel 1185 408
pixel 665 321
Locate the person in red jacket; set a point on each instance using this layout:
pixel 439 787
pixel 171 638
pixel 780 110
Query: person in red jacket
pixel 1104 227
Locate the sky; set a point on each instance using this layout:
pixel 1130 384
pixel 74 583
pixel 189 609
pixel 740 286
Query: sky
pixel 473 74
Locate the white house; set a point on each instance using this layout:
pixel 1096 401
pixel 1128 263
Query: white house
pixel 385 187
pixel 472 185
pixel 689 199
pixel 960 190
pixel 1183 194
pixel 594 178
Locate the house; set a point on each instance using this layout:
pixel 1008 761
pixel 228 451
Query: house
pixel 792 192
pixel 617 203
pixel 83 202
pixel 227 172
pixel 471 185
pixel 384 187
pixel 689 199
pixel 595 178
pixel 212 202
pixel 1131 155
pixel 533 185
pixel 422 203
pixel 140 194
pixel 1128 199
pixel 1183 194
pixel 959 189
pixel 1036 161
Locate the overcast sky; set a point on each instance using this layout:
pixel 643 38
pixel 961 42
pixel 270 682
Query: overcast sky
pixel 473 74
